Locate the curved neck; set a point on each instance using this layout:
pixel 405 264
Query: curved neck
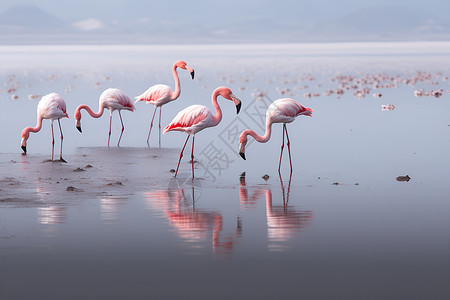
pixel 265 137
pixel 27 130
pixel 177 92
pixel 218 117
pixel 90 112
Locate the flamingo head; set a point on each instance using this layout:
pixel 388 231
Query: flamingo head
pixel 242 143
pixel 23 143
pixel 228 94
pixel 182 64
pixel 78 120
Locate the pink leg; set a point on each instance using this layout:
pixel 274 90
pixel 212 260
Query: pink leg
pixel 160 108
pixel 123 128
pixel 109 133
pixel 288 146
pixel 281 154
pixel 181 155
pixel 53 140
pixel 192 156
pixel 151 125
pixel 60 151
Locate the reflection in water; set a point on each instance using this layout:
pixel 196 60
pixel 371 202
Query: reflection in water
pixel 110 207
pixel 283 221
pixel 49 216
pixel 52 215
pixel 192 224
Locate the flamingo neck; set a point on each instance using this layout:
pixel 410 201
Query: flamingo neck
pixel 265 137
pixel 90 112
pixel 177 92
pixel 218 117
pixel 27 130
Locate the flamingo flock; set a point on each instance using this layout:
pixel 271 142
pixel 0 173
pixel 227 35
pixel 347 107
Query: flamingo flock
pixel 190 120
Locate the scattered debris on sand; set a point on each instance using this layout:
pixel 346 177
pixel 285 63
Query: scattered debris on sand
pixel 73 189
pixel 79 170
pixel 265 177
pixel 172 171
pixel 115 183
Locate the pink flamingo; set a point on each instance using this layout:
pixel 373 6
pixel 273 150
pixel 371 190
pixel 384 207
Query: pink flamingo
pixel 51 107
pixel 160 94
pixel 194 118
pixel 112 99
pixel 280 111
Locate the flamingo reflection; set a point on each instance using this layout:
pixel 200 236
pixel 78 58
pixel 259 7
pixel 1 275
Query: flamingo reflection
pixel 191 224
pixel 283 222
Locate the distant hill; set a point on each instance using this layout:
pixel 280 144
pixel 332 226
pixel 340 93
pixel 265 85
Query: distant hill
pixel 25 19
pixel 31 25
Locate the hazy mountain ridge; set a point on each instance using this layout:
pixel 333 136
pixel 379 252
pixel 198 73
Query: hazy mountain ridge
pixel 28 24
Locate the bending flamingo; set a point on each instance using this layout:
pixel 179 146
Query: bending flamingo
pixel 112 99
pixel 51 107
pixel 194 118
pixel 280 111
pixel 160 94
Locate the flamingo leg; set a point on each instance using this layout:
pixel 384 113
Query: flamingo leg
pixel 160 108
pixel 181 155
pixel 151 125
pixel 288 146
pixel 109 133
pixel 192 156
pixel 60 150
pixel 123 128
pixel 53 140
pixel 281 153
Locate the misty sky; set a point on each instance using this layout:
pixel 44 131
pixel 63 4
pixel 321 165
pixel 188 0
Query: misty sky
pixel 214 10
pixel 244 19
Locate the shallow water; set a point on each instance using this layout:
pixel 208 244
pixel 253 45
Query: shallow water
pixel 114 223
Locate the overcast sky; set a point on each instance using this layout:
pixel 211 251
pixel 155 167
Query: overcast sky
pixel 241 18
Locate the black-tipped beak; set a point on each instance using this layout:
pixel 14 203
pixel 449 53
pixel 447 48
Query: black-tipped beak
pixel 192 74
pixel 238 108
pixel 79 128
pixel 24 148
pixel 242 154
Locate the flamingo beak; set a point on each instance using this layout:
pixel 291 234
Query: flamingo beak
pixel 242 154
pixel 79 128
pixel 24 148
pixel 191 71
pixel 241 150
pixel 237 102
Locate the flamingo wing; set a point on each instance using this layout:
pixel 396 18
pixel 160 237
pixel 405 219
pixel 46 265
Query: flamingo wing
pixel 286 110
pixel 116 99
pixel 192 119
pixel 52 106
pixel 157 95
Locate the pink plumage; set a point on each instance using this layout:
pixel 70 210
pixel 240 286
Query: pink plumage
pixel 161 94
pixel 191 120
pixel 284 111
pixel 195 118
pixel 53 107
pixel 111 99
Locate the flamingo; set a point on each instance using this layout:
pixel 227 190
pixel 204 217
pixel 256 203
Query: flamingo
pixel 284 111
pixel 195 118
pixel 52 107
pixel 160 94
pixel 112 99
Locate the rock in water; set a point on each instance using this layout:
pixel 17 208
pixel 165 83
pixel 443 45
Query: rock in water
pixel 403 178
